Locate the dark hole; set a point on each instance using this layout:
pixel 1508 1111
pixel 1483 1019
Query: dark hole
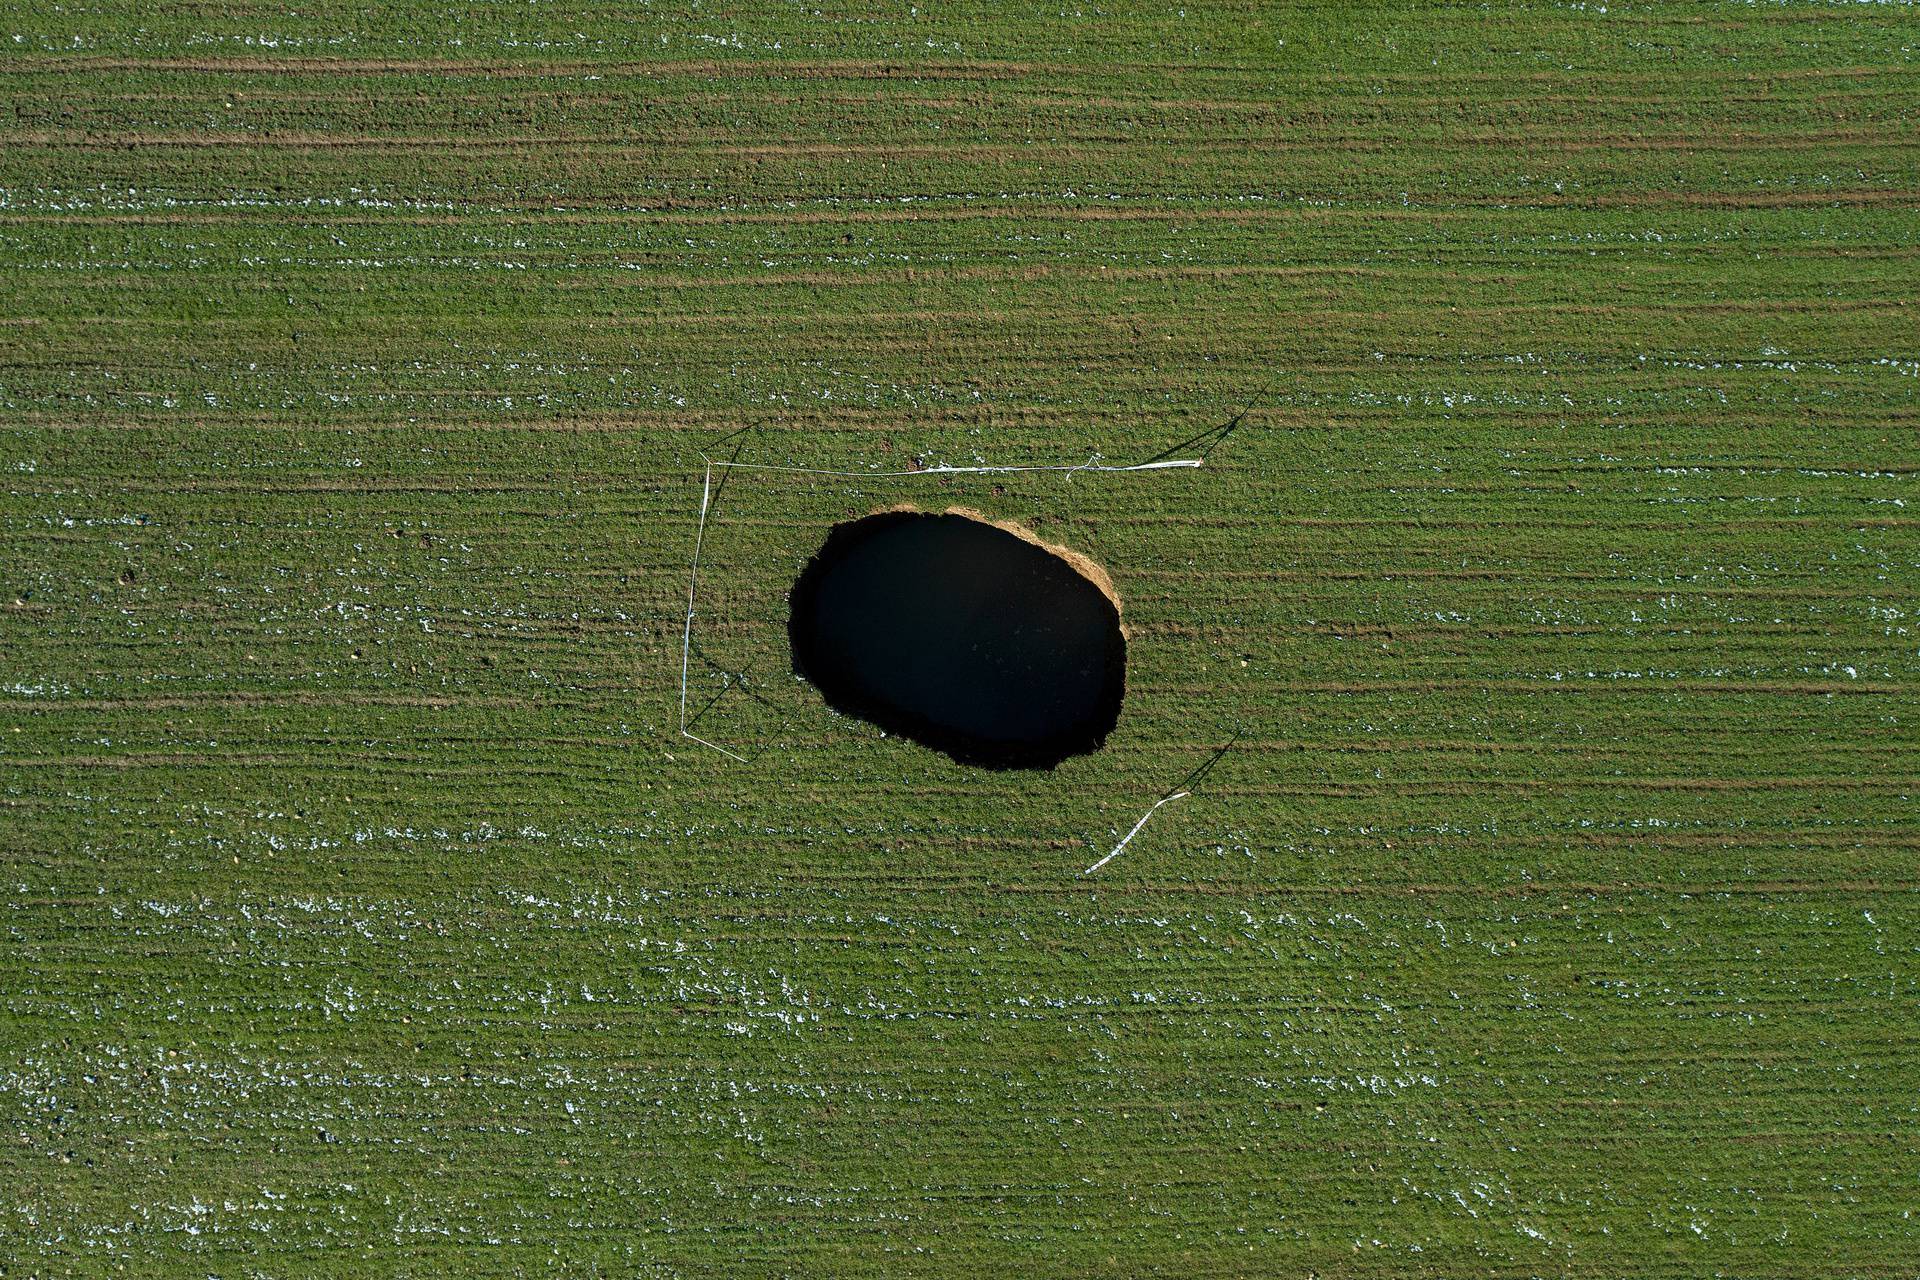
pixel 962 636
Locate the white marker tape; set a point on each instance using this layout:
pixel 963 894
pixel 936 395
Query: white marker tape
pixel 1136 831
pixel 941 469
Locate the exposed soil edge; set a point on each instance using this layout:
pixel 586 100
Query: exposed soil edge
pixel 1081 563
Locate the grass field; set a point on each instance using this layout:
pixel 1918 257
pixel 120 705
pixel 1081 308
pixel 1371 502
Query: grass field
pixel 1554 913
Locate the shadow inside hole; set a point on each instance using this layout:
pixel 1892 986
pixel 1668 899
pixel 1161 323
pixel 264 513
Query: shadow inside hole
pixel 963 635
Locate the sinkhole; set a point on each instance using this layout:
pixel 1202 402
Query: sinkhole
pixel 967 636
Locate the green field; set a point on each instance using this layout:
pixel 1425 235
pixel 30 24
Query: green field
pixel 1557 911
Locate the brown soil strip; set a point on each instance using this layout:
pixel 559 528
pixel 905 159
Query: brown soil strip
pixel 1078 562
